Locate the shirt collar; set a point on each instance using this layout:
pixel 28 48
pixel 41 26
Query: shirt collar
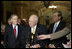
pixel 34 26
pixel 14 26
pixel 57 22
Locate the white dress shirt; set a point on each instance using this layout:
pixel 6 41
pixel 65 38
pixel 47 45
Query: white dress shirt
pixel 16 30
pixel 57 23
pixel 34 29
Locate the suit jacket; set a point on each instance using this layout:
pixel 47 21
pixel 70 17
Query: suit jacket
pixel 9 39
pixel 60 27
pixel 59 41
pixel 40 29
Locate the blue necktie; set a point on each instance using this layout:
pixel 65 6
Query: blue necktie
pixel 54 28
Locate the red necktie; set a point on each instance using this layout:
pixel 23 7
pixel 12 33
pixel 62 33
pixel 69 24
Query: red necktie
pixel 15 31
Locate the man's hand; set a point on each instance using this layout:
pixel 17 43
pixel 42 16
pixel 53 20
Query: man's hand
pixel 51 46
pixel 68 45
pixel 35 46
pixel 2 42
pixel 41 37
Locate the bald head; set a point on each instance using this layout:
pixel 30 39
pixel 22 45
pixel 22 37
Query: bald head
pixel 33 20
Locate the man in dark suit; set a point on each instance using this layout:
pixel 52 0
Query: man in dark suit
pixel 32 31
pixel 58 42
pixel 12 34
pixel 58 25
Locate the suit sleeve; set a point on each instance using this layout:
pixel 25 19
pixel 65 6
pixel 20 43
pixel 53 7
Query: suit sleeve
pixel 60 33
pixel 43 31
pixel 22 40
pixel 6 37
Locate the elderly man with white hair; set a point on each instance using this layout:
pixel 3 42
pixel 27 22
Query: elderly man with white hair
pixel 32 31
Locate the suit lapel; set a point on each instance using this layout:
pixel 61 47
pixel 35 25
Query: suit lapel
pixel 58 27
pixel 29 32
pixel 37 30
pixel 12 31
pixel 18 31
pixel 52 27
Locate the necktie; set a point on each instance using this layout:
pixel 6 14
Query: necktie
pixel 54 28
pixel 15 31
pixel 33 31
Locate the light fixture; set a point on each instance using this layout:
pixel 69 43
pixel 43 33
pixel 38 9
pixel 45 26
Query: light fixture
pixel 53 6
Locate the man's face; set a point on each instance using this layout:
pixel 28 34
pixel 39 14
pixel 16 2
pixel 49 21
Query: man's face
pixel 14 20
pixel 32 22
pixel 55 17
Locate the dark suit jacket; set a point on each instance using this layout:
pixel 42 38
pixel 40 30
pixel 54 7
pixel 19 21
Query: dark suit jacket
pixel 39 30
pixel 59 41
pixel 9 39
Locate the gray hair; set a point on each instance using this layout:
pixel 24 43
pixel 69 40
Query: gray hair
pixel 36 19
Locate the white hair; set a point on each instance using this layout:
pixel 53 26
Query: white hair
pixel 36 17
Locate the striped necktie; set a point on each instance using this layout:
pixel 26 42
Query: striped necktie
pixel 54 28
